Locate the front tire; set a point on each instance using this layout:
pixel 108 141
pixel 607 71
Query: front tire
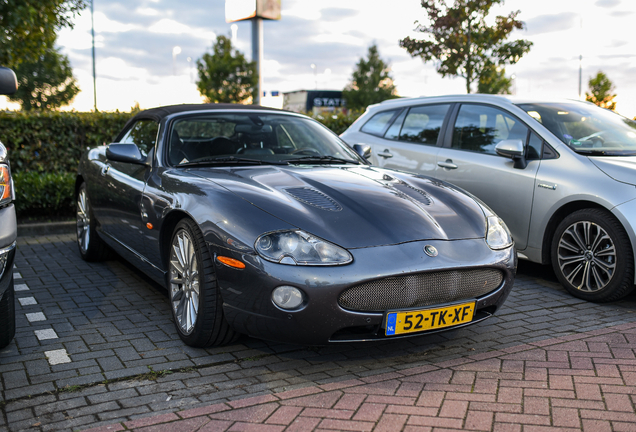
pixel 195 299
pixel 592 256
pixel 7 315
pixel 91 247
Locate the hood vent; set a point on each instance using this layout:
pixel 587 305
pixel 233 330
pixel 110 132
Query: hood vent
pixel 314 198
pixel 414 193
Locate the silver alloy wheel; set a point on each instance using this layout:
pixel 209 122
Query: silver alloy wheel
pixel 83 221
pixel 184 281
pixel 587 256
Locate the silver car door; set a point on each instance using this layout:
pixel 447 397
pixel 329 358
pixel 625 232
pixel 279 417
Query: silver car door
pixel 409 142
pixel 469 161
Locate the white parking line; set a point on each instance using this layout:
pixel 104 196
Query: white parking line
pixel 37 316
pixel 27 301
pixel 20 287
pixel 17 275
pixel 46 334
pixel 57 356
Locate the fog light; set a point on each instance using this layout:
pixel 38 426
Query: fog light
pixel 287 297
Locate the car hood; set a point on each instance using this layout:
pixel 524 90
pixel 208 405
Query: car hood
pixel 620 168
pixel 356 207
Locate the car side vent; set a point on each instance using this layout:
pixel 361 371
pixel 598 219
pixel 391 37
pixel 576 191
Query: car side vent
pixel 314 198
pixel 414 193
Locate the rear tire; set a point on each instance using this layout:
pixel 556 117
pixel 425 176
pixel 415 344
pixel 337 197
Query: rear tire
pixel 592 256
pixel 7 315
pixel 91 247
pixel 195 300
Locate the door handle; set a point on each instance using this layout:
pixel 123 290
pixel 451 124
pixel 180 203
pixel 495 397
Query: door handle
pixel 448 164
pixel 105 169
pixel 385 154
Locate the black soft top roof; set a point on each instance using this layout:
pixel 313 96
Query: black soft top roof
pixel 160 113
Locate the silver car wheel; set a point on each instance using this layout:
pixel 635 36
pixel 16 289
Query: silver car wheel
pixel 586 256
pixel 184 281
pixel 83 221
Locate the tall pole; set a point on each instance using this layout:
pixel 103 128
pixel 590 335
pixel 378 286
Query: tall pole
pixel 581 64
pixel 315 68
pixel 580 76
pixel 94 75
pixel 469 71
pixel 257 54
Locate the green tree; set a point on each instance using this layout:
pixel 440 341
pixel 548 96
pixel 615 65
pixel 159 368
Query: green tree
pixel 461 42
pixel 493 80
pixel 46 83
pixel 601 91
pixel 371 82
pixel 28 27
pixel 225 76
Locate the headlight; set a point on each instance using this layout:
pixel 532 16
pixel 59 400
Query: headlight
pixel 300 248
pixel 6 193
pixel 497 234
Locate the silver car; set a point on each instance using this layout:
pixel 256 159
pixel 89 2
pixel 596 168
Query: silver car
pixel 560 174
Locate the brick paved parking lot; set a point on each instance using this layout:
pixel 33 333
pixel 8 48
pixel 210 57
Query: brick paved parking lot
pixel 96 348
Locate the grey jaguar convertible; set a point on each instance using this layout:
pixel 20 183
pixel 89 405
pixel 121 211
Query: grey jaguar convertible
pixel 263 222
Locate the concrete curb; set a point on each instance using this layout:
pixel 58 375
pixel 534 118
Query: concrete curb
pixel 50 228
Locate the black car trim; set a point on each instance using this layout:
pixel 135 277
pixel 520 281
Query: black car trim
pixel 5 251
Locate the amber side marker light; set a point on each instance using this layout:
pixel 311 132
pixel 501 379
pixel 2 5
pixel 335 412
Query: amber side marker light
pixel 5 185
pixel 149 225
pixel 231 262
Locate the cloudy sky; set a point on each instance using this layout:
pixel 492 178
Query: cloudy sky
pixel 135 42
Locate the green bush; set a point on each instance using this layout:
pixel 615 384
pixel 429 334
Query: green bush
pixel 54 141
pixel 338 122
pixel 40 195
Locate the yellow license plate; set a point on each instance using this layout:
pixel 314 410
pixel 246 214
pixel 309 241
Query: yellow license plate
pixel 428 319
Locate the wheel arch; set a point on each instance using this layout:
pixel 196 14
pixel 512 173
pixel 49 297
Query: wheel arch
pixel 557 217
pixel 167 228
pixel 78 182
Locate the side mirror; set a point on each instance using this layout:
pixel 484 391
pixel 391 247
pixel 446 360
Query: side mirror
pixel 130 153
pixel 363 150
pixel 8 81
pixel 513 149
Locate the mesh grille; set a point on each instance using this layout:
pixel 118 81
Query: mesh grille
pixel 314 198
pixel 423 289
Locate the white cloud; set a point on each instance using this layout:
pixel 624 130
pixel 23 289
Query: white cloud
pixel 147 11
pixel 167 25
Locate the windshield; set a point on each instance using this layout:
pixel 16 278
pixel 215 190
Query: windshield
pixel 586 128
pixel 254 138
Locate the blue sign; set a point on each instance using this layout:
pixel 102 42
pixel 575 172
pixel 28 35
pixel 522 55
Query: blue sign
pixel 390 324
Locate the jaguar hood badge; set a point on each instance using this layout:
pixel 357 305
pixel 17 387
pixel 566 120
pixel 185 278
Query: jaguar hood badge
pixel 430 250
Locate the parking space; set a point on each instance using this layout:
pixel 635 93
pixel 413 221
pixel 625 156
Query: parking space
pixel 95 345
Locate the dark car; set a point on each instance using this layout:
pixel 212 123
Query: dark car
pixel 263 222
pixel 8 228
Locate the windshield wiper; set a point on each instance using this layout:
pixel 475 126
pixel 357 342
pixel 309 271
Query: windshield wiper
pixel 321 159
pixel 605 152
pixel 226 160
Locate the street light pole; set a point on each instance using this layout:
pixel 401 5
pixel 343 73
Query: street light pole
pixel 175 51
pixel 93 50
pixel 580 76
pixel 315 68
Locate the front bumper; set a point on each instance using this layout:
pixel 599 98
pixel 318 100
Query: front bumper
pixel 249 309
pixel 8 235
